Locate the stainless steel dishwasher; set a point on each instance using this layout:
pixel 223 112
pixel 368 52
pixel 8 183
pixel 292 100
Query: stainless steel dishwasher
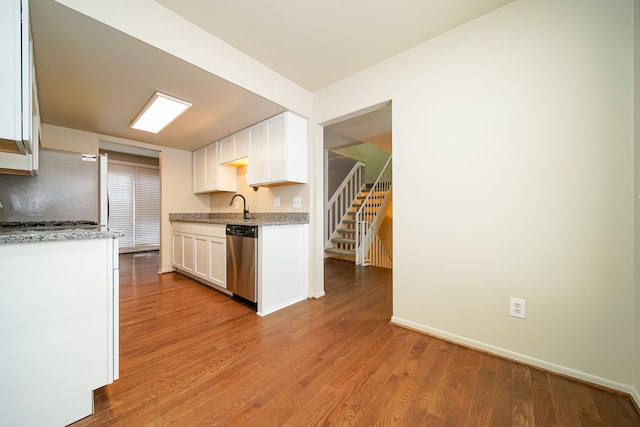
pixel 242 257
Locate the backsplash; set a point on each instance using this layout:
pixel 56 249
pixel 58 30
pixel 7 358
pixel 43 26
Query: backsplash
pixel 263 199
pixel 65 189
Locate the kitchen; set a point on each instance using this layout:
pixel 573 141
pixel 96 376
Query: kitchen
pixel 55 195
pixel 519 62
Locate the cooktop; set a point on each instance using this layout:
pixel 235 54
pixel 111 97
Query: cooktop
pixel 47 225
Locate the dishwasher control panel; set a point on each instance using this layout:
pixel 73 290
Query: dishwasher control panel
pixel 242 230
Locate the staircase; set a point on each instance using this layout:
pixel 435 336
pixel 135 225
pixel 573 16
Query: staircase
pixel 344 242
pixel 353 219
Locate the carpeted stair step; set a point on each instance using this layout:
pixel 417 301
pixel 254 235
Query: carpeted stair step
pixel 343 240
pixel 340 252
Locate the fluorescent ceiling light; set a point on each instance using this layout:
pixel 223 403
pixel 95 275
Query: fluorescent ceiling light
pixel 159 112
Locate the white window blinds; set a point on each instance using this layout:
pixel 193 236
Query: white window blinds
pixel 134 205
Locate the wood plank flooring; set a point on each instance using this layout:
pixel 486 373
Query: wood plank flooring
pixel 191 356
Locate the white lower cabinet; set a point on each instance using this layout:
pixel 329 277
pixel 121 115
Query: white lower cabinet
pixel 218 261
pixel 177 250
pixel 282 269
pixel 59 328
pixel 283 266
pixel 183 251
pixel 199 250
pixel 189 252
pixel 201 258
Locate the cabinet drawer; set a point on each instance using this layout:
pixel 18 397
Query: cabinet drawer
pixel 183 227
pixel 213 230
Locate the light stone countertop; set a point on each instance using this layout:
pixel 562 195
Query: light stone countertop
pixel 255 218
pixel 52 235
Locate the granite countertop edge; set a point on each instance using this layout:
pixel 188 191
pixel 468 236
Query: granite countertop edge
pixel 258 218
pixel 56 235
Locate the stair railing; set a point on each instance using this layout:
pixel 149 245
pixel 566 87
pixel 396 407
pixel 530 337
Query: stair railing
pixel 342 200
pixel 378 254
pixel 368 218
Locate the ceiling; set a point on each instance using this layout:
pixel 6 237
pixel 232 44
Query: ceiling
pixel 316 43
pixel 94 78
pixel 372 127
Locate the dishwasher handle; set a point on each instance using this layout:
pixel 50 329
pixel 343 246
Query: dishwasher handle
pixel 242 230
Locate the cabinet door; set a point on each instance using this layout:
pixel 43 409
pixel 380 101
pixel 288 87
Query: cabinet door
pixel 241 144
pixel 208 175
pixel 227 149
pixel 234 148
pixel 26 73
pixel 201 256
pixel 211 154
pixel 35 122
pixel 178 250
pixel 258 154
pixel 199 170
pixel 276 149
pixel 218 261
pixel 188 247
pixel 18 139
pixel 10 71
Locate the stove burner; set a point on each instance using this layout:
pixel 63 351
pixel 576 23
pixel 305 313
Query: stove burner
pixel 89 223
pixel 33 224
pixel 9 225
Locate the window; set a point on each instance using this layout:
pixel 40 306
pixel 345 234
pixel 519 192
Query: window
pixel 134 205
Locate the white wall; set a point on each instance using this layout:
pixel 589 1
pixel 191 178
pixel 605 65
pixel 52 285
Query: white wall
pixel 513 165
pixel 61 138
pixel 176 182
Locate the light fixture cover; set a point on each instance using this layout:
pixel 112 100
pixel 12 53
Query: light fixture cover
pixel 159 112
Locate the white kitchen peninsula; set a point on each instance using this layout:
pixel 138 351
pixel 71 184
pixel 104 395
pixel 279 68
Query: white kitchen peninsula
pixel 58 323
pixel 283 272
pixel 283 254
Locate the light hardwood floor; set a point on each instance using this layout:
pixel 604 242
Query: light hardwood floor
pixel 192 356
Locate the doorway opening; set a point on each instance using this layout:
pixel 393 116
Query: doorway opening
pixel 357 160
pixel 133 186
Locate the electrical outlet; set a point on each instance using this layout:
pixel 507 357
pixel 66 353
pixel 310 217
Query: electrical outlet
pixel 276 201
pixel 517 308
pixel 297 202
pixel 236 204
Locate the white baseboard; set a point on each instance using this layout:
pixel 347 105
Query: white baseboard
pixel 316 294
pixel 272 309
pixel 635 396
pixel 523 358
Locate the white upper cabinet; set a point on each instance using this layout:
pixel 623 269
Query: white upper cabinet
pixel 208 175
pixel 275 151
pixel 278 151
pixel 234 148
pixel 19 112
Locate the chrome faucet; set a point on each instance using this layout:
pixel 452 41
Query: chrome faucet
pixel 245 211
